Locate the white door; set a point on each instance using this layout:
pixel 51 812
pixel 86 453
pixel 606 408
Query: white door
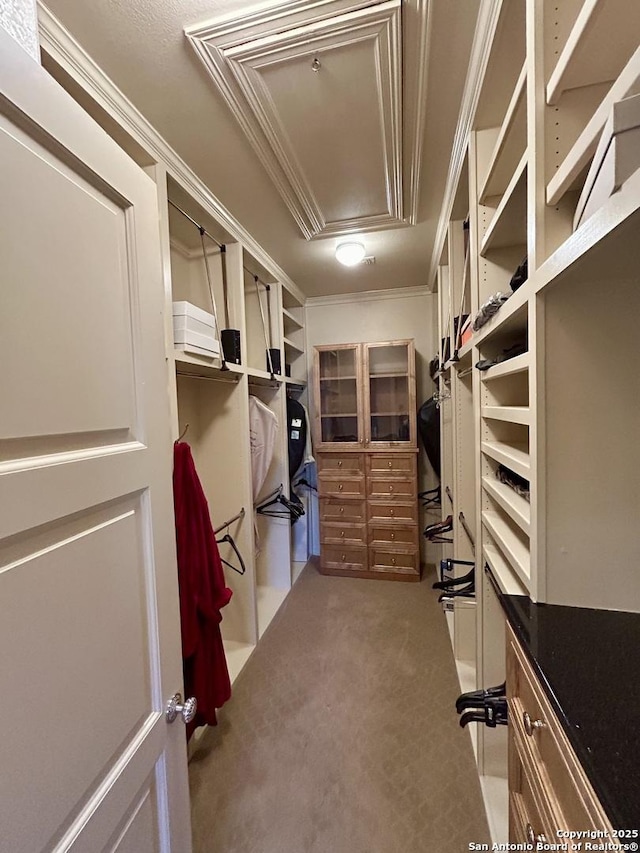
pixel 89 624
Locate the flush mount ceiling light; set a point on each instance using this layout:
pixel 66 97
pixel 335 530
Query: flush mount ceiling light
pixel 350 253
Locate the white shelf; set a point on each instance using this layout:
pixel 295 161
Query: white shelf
pixel 289 345
pixel 509 224
pixel 509 544
pixel 517 364
pixel 510 144
pixel 262 377
pixel 289 380
pixel 512 314
pixel 290 319
pixel 237 654
pixel 269 600
pixel 574 164
pixel 198 365
pixel 515 457
pixel 511 414
pixel 605 34
pixel 508 582
pixel 516 507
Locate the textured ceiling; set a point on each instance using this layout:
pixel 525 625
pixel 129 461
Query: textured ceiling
pixel 141 45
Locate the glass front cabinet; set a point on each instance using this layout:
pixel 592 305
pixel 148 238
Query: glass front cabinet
pixel 366 396
pixel 366 450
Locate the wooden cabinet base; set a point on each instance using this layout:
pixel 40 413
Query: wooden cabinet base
pixel 378 576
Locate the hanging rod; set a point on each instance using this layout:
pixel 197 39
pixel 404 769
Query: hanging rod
pixel 200 228
pixel 234 381
pixel 256 278
pixel 465 527
pixel 228 523
pixel 274 384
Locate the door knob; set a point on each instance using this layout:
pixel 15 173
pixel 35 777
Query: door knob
pixel 187 710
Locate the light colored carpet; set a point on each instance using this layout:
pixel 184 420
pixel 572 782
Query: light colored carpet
pixel 341 735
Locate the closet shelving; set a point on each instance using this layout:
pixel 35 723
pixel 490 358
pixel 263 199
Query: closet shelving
pixel 214 401
pixel 546 415
pixel 588 57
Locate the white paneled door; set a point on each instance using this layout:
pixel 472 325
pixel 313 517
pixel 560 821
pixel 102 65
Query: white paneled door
pixel 89 622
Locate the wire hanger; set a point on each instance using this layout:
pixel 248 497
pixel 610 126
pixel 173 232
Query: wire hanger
pixel 183 433
pixel 230 540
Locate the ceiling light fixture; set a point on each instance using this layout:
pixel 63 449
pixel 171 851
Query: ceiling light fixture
pixel 350 253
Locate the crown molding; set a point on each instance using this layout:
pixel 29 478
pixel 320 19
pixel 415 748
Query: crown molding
pixel 415 125
pixel 481 49
pixel 368 296
pixel 235 55
pixel 60 45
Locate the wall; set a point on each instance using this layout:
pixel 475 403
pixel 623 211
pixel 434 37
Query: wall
pixel 380 316
pixel 19 18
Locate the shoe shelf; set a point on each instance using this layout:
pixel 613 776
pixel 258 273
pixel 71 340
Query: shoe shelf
pixel 570 173
pixel 516 507
pixel 510 543
pixel 515 457
pixel 510 319
pixel 293 348
pixel 510 414
pixel 510 144
pixel 508 226
pixel 604 35
pixel 510 367
pixel 508 582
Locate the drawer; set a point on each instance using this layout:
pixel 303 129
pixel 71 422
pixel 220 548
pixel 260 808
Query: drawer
pixel 528 822
pixel 400 562
pixel 342 487
pixel 393 535
pixel 386 512
pixel 351 558
pixel 343 534
pixel 340 463
pixel 392 489
pixel 391 464
pixel 342 511
pixel 546 751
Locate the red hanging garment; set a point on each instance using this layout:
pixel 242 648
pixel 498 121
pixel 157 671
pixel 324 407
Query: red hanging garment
pixel 203 592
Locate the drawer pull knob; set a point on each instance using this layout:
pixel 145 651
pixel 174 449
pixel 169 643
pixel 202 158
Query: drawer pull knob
pixel 532 838
pixel 343 557
pixel 342 533
pixel 393 561
pixel 392 513
pixel 340 487
pixel 531 725
pixel 340 463
pixel 341 510
pixel 390 489
pixel 390 464
pixel 393 536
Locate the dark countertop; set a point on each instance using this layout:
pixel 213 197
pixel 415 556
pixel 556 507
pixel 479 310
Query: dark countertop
pixel 588 662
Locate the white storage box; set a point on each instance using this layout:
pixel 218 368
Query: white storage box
pixel 194 330
pixel 617 157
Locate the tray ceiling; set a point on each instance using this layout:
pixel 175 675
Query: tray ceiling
pixel 317 89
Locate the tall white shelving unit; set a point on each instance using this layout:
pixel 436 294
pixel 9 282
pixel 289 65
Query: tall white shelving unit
pixel 561 414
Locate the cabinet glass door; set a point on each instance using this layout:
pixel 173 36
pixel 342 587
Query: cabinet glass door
pixel 338 394
pixel 390 400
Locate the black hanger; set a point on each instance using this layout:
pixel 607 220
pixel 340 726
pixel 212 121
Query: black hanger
pixel 276 505
pixel 228 538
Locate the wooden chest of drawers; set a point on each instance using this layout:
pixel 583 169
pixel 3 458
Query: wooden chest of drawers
pixel 369 515
pixel 548 789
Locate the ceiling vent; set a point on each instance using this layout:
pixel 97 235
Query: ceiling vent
pixel 369 261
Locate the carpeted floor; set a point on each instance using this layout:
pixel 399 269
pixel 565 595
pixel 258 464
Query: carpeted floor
pixel 341 735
